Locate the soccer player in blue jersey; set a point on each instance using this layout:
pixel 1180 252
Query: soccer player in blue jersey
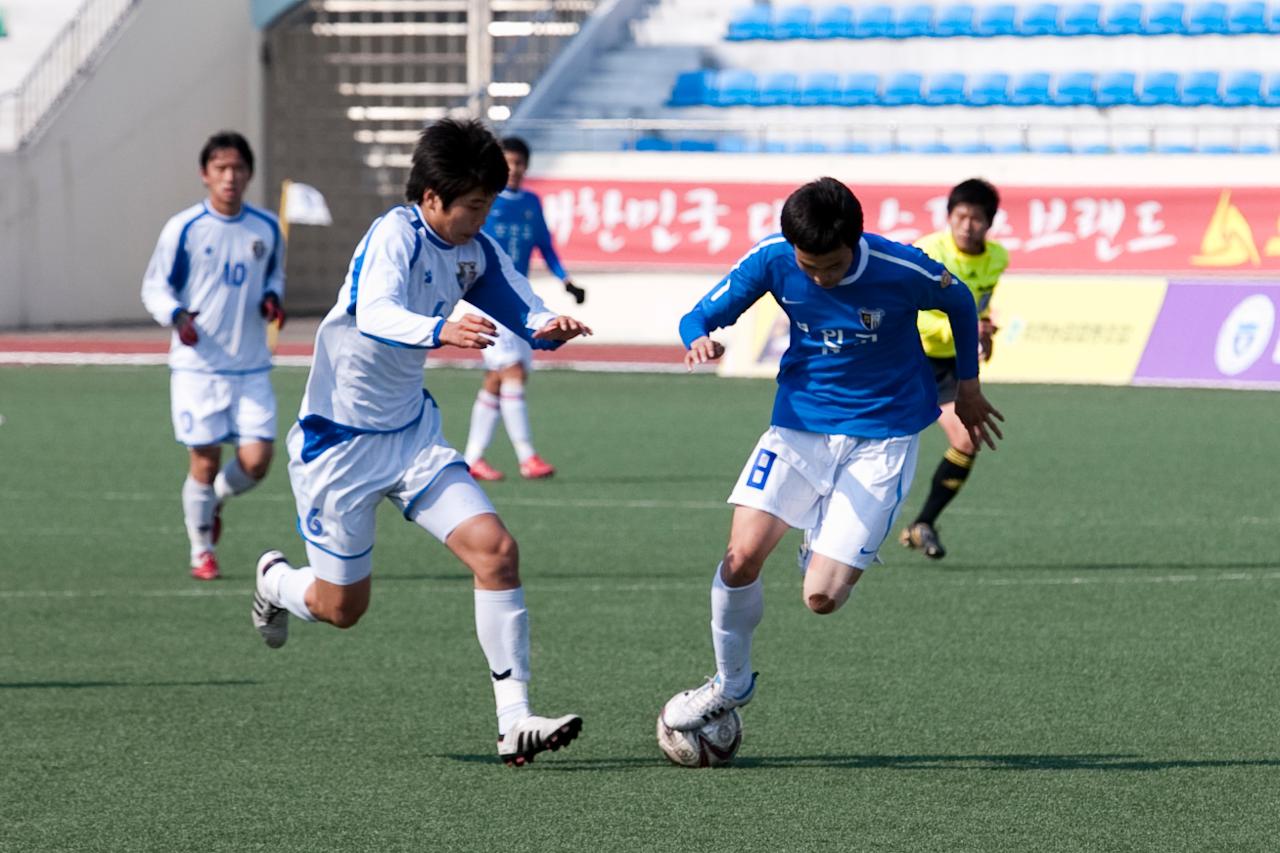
pixel 854 393
pixel 368 430
pixel 517 224
pixel 217 278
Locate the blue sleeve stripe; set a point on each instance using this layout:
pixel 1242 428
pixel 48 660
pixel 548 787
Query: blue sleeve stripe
pixel 181 262
pixel 905 263
pixel 359 264
pixel 435 334
pixel 392 343
pixel 492 271
pixel 417 248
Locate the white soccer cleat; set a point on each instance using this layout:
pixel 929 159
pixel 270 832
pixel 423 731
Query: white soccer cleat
pixel 692 709
pixel 532 735
pixel 272 622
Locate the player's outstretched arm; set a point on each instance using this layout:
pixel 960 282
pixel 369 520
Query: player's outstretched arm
pixel 562 328
pixel 701 351
pixel 977 414
pixel 470 332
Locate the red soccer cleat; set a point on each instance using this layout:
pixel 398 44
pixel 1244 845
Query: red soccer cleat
pixel 482 470
pixel 206 567
pixel 534 468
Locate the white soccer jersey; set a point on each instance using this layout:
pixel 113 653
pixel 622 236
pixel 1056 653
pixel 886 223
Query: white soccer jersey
pixel 402 285
pixel 220 266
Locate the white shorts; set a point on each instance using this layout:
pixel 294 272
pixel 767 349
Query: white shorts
pixel 843 490
pixel 212 408
pixel 338 492
pixel 508 349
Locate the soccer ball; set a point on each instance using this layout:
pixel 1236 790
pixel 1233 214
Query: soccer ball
pixel 709 746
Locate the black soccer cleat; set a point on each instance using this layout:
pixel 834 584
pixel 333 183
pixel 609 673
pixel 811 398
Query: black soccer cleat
pixel 923 538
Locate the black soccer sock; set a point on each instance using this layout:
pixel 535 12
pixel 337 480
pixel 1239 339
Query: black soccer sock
pixel 952 471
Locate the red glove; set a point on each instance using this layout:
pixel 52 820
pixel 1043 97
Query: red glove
pixel 185 323
pixel 272 310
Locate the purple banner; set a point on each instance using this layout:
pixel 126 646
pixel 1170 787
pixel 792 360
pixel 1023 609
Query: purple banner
pixel 1215 333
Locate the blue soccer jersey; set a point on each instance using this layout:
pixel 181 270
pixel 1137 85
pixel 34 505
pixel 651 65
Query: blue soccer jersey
pixel 854 365
pixel 517 223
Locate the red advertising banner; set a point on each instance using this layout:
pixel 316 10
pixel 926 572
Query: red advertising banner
pixel 1046 229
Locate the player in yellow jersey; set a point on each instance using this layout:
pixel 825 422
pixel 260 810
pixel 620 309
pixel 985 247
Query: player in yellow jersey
pixel 963 248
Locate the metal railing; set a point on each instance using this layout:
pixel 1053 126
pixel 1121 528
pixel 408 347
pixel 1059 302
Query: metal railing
pixel 74 51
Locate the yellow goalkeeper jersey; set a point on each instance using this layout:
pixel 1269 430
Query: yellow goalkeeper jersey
pixel 980 272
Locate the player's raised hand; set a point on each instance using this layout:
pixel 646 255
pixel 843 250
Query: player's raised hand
pixel 701 351
pixel 185 323
pixel 562 328
pixel 977 414
pixel 470 332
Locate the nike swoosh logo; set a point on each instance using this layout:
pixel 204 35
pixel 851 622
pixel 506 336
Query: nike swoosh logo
pixel 500 676
pixel 864 552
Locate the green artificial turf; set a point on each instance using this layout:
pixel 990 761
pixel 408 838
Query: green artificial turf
pixel 1093 667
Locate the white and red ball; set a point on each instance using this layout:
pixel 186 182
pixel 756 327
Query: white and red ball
pixel 709 746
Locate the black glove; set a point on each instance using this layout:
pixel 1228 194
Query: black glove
pixel 579 295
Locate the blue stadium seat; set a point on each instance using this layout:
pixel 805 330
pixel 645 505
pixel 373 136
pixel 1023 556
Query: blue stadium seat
pixel 808 146
pixel 935 146
pixel 989 90
pixel 654 143
pixel 1134 148
pixel 1256 148
pixel 1039 19
pixel 996 20
pixel 693 89
pixel 1242 89
pixel 1081 19
pixel 902 89
pixel 735 89
pixel 859 90
pixel 1030 89
pixel 973 147
pixel 1159 88
pixel 1248 16
pixel 1009 148
pixel 1123 19
pixel 855 147
pixel 1173 148
pixel 1216 148
pixel 873 22
pixel 1116 88
pixel 914 21
pixel 945 89
pixel 954 20
pixel 780 88
pixel 1094 148
pixel 733 145
pixel 820 89
pixel 1073 89
pixel 1051 148
pixel 1200 89
pixel 792 22
pixel 1273 22
pixel 1271 95
pixel 750 22
pixel 1207 18
pixel 833 22
pixel 1166 19
pixel 695 145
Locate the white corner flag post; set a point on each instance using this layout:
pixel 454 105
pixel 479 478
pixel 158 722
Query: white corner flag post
pixel 301 204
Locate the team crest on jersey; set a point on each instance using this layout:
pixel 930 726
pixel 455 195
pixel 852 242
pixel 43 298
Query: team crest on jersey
pixel 259 249
pixel 466 273
pixel 870 318
pixel 946 279
pixel 428 277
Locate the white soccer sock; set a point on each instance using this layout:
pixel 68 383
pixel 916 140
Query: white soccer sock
pixel 502 625
pixel 735 613
pixel 232 480
pixel 288 587
pixel 484 419
pixel 515 417
pixel 198 505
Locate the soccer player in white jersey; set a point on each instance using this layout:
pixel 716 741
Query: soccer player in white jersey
pixel 517 224
pixel 854 393
pixel 368 430
pixel 217 278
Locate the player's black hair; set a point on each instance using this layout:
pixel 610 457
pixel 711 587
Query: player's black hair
pixel 516 145
pixel 978 193
pixel 454 157
pixel 822 216
pixel 226 139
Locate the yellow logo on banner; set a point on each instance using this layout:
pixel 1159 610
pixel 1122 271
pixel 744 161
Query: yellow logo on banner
pixel 1228 241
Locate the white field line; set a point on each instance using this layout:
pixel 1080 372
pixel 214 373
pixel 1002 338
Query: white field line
pixel 108 359
pixel 562 586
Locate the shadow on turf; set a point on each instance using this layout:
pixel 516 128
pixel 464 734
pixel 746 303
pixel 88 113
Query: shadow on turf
pixel 77 685
pixel 1102 761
